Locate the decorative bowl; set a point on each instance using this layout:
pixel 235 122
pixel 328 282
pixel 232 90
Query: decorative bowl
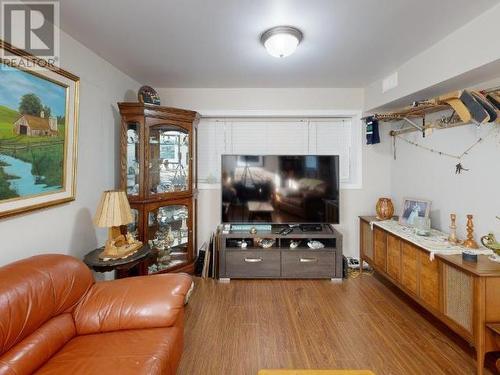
pixel 265 243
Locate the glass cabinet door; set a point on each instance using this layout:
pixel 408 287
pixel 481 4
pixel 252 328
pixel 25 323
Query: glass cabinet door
pixel 133 157
pixel 133 227
pixel 169 235
pixel 168 160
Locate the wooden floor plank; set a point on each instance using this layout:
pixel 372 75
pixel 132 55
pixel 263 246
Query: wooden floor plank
pixel 240 327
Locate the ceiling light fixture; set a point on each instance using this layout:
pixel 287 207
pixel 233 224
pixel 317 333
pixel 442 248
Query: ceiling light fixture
pixel 281 41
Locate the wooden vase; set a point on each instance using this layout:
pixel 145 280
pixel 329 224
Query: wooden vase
pixel 385 209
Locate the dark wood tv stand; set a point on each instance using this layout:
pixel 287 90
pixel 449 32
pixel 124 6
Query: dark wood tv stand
pixel 279 261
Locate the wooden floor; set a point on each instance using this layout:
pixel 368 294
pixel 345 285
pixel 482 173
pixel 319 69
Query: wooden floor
pixel 243 326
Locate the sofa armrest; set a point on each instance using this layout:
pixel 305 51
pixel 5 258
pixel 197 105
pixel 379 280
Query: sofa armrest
pixel 133 303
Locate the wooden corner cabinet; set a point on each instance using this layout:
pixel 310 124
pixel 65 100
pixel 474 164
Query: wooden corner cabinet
pixel 158 172
pixel 461 294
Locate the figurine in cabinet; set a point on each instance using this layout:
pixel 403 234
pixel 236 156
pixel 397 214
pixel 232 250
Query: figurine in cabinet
pixel 157 164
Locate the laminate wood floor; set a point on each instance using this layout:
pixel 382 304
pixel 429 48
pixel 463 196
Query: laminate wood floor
pixel 246 325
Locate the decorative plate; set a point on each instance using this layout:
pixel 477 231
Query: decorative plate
pixel 148 95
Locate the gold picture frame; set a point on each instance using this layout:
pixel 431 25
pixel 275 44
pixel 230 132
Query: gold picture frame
pixel 38 133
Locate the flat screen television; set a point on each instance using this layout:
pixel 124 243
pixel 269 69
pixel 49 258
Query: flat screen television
pixel 280 188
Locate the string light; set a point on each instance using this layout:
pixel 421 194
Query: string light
pixel 442 153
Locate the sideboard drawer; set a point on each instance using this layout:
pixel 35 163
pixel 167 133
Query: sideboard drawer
pixel 265 263
pixel 308 264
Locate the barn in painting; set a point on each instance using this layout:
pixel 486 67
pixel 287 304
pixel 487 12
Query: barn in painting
pixel 35 126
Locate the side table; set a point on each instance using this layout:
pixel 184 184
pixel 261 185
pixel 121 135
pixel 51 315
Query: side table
pixel 133 265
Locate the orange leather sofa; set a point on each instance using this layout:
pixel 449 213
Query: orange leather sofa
pixel 55 319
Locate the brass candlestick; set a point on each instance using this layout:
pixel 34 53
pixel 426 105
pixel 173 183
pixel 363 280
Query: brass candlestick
pixel 452 238
pixel 469 242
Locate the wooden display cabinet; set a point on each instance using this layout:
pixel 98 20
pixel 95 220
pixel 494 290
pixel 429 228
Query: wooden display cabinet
pixel 158 172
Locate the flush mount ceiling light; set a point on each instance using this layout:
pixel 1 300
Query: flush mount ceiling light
pixel 281 41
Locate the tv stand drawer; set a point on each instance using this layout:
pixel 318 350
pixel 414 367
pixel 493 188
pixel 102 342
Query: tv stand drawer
pixel 308 264
pixel 242 264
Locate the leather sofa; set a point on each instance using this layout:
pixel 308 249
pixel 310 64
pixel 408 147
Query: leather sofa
pixel 55 319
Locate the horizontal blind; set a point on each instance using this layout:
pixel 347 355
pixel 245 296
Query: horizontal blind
pixel 333 137
pixel 248 137
pixel 325 136
pixel 287 138
pixel 211 145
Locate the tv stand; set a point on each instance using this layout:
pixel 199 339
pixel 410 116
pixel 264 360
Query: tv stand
pixel 280 261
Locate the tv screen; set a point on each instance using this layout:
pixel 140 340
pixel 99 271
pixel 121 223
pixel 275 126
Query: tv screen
pixel 280 189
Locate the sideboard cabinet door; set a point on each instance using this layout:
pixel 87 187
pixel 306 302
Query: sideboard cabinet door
pixel 394 257
pixel 409 267
pixel 380 249
pixel 429 280
pixel 366 240
pixel 458 297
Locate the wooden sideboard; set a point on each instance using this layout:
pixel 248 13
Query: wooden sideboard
pixel 463 295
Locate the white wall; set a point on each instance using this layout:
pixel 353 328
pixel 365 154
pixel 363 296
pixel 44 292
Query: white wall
pixel 418 173
pixel 213 100
pixel 450 62
pixel 376 159
pixel 68 229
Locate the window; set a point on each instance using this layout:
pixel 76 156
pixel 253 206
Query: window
pixel 275 136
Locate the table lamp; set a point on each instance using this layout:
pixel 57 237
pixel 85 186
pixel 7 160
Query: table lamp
pixel 114 211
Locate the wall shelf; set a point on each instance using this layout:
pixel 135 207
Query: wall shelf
pixel 420 110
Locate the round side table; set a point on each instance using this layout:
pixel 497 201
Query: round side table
pixel 133 265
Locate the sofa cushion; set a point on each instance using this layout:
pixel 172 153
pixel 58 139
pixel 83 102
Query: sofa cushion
pixel 147 351
pixel 36 289
pixel 153 301
pixel 31 353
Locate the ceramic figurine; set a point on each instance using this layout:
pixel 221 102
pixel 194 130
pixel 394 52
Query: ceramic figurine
pixel 294 244
pixel 315 245
pixel 169 238
pixel 132 136
pixel 153 268
pixel 184 228
pixel 491 243
pixel 164 256
pixel 452 238
pixel 130 238
pixel 470 242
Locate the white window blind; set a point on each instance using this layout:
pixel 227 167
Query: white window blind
pixel 333 137
pixel 260 136
pixel 211 145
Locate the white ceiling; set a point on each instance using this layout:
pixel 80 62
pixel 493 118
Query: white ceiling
pixel 215 43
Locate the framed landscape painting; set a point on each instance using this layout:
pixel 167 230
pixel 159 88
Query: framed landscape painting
pixel 38 134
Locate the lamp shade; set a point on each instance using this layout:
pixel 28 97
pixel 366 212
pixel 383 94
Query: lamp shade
pixel 113 210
